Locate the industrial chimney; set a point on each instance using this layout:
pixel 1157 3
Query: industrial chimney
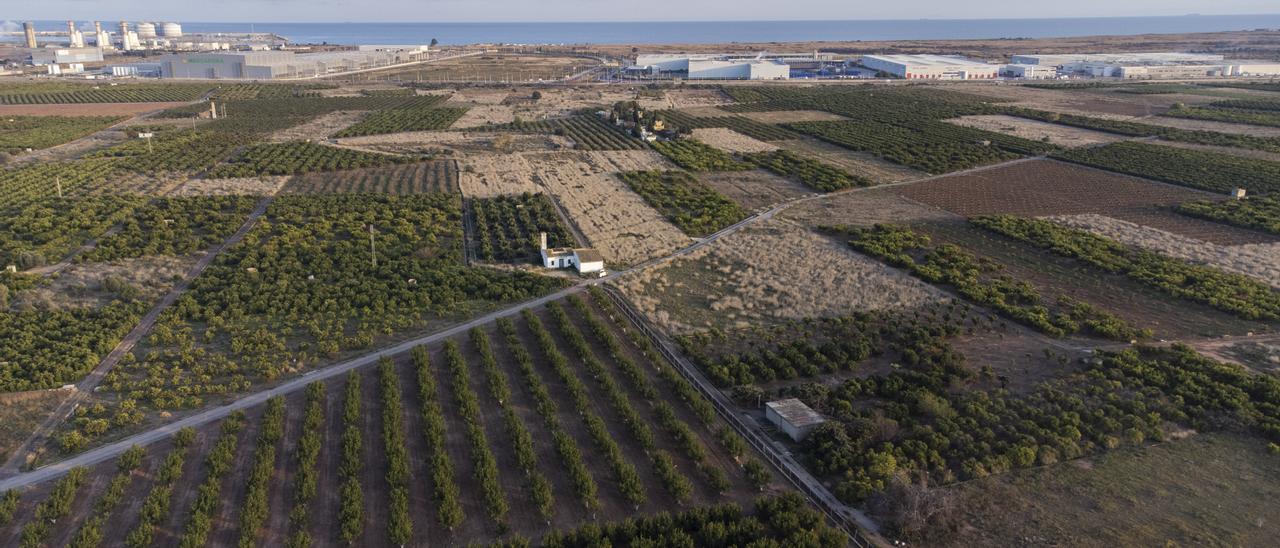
pixel 29 30
pixel 74 38
pixel 124 36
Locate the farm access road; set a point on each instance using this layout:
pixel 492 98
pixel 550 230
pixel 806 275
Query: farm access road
pixel 90 382
pixel 775 454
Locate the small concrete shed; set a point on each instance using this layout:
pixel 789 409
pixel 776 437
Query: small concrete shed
pixel 793 417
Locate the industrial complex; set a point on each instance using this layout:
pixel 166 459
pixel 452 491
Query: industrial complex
pixel 267 65
pixel 937 67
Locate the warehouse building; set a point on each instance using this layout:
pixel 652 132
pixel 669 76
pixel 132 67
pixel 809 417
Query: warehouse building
pixel 793 417
pixel 51 56
pixel 738 70
pixel 936 67
pixel 267 65
pixel 1030 72
pixel 726 66
pixel 1134 59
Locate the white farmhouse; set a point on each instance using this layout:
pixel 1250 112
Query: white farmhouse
pixel 793 417
pixel 586 260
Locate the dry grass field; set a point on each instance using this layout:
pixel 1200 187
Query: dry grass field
pixel 729 140
pixel 1205 490
pixel 756 189
pixel 863 208
pixel 1261 261
pixel 259 186
pixel 1210 125
pixel 771 272
pixel 320 128
pixel 613 218
pixel 789 116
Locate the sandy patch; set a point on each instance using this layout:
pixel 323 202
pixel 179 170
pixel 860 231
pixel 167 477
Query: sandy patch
pixel 319 128
pixel 483 115
pixel 774 271
pixel 1260 261
pixel 254 186
pixel 80 285
pixel 789 116
pixel 731 141
pixel 1036 130
pixel 613 218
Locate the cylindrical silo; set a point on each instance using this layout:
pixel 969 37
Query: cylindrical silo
pixel 146 30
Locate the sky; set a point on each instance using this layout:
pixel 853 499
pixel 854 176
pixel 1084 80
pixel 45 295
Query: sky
pixel 608 10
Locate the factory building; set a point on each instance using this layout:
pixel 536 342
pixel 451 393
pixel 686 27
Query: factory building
pixel 1166 71
pixel 1029 72
pixel 727 66
pixel 700 69
pixel 266 65
pixel 53 56
pixel 1133 59
pixel 936 67
pixel 1254 68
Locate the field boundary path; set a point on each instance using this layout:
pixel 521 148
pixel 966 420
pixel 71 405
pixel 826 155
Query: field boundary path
pixel 89 383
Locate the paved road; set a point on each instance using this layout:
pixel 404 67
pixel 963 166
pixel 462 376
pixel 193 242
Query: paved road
pixel 86 386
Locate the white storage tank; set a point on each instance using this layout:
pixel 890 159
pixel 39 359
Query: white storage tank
pixel 146 30
pixel 171 30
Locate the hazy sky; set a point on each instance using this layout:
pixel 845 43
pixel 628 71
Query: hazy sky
pixel 606 10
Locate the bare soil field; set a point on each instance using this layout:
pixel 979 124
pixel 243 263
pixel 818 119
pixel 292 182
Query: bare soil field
pixel 1048 187
pixel 478 116
pixel 863 208
pixel 1207 489
pixel 266 185
pixel 1036 130
pixel 729 140
pixel 489 68
pixel 684 99
pixel 320 128
pixel 789 116
pixel 1210 125
pixel 613 218
pixel 756 189
pixel 85 109
pixel 857 163
pixel 521 518
pixel 770 272
pixel 1261 261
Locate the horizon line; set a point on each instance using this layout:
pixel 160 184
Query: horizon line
pixel 638 21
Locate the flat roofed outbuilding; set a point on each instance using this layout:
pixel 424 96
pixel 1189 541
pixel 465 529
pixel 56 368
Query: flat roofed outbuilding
pixel 793 417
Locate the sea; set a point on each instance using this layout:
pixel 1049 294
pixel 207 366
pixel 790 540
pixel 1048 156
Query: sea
pixel 715 32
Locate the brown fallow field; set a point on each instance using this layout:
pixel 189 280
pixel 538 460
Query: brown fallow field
pixel 1048 187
